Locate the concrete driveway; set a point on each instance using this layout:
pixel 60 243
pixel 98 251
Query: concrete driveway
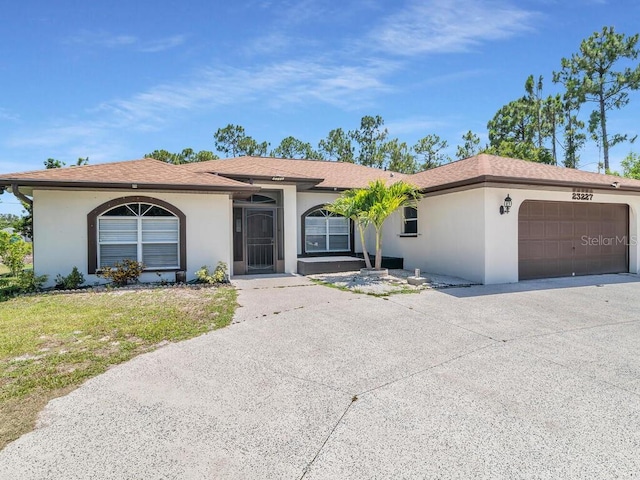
pixel 535 380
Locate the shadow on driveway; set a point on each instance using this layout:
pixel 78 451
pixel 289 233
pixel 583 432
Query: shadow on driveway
pixel 543 284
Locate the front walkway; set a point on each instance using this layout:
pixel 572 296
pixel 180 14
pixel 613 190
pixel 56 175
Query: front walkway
pixel 535 380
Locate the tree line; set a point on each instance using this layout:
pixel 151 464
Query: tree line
pixel 368 145
pixel 539 127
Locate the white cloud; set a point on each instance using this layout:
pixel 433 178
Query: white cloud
pixel 109 40
pixel 278 84
pixel 445 26
pixel 162 44
pixel 6 115
pixel 409 125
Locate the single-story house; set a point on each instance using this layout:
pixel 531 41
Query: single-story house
pixel 488 219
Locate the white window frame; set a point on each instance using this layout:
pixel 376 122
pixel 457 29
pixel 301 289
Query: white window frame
pixel 140 219
pixel 327 235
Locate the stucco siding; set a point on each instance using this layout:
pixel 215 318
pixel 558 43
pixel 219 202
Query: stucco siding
pixel 60 230
pixel 450 237
pixel 290 200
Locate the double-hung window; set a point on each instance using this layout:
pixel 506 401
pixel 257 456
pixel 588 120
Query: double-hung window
pixel 410 221
pixel 142 232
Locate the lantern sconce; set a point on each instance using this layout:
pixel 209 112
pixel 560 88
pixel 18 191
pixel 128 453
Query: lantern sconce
pixel 506 206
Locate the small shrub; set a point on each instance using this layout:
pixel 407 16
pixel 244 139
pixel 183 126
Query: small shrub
pixel 71 281
pixel 12 251
pixel 219 275
pixel 27 281
pixel 123 273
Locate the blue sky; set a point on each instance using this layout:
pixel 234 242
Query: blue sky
pixel 115 80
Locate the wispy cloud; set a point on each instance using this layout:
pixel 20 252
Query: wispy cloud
pixel 114 41
pixel 409 125
pixel 278 85
pixel 446 26
pixel 6 115
pixel 162 44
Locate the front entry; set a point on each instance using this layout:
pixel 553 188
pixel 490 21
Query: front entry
pixel 261 240
pixel 258 234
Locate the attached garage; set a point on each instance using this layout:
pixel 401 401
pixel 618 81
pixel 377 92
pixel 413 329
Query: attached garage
pixel 557 239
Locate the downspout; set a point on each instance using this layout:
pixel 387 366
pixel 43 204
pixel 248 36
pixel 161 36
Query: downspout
pixel 21 196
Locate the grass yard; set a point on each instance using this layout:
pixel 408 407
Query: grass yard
pixel 50 344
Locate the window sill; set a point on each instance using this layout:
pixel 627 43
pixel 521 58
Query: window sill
pixel 408 235
pixel 149 270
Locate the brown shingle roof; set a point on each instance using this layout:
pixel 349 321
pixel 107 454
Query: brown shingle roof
pixel 212 175
pixel 145 173
pixel 491 168
pixel 326 174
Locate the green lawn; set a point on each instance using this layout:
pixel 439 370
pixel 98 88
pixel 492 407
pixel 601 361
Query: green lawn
pixel 50 344
pixel 4 270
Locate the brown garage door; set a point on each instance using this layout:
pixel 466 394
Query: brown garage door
pixel 557 239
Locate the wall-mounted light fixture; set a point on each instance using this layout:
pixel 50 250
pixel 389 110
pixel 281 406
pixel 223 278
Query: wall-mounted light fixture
pixel 504 208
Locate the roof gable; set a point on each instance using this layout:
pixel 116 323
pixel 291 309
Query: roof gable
pixel 142 173
pixel 487 168
pixel 325 174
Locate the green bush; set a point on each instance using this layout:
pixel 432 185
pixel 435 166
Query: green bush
pixel 71 281
pixel 12 251
pixel 27 281
pixel 123 273
pixel 219 275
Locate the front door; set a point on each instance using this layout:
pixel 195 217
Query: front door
pixel 260 240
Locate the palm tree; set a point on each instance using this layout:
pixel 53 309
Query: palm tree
pixel 372 206
pixel 383 201
pixel 352 204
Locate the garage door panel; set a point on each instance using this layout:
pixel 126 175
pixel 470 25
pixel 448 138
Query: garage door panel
pixel 535 209
pixel 536 229
pixel 566 210
pixel 566 229
pixel 572 238
pixel 594 211
pixel 580 228
pixel 552 229
pixel 594 229
pixel 580 211
pixel 566 248
pixel 532 250
pixel 551 249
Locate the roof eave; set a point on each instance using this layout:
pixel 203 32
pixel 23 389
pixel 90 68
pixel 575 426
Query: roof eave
pixel 526 181
pixel 8 182
pixel 276 179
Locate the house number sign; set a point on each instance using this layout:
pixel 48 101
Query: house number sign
pixel 582 194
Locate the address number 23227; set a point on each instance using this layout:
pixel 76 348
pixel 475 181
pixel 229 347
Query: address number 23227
pixel 582 196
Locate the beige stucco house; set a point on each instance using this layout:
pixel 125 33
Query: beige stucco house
pixel 488 219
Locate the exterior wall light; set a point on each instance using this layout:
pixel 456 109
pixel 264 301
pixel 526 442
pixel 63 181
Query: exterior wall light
pixel 506 206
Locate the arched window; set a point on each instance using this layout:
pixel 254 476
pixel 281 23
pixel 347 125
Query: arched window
pixel 143 229
pixel 326 231
pixel 139 231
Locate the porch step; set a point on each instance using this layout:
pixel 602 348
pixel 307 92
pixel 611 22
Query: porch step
pixel 312 266
pixel 316 265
